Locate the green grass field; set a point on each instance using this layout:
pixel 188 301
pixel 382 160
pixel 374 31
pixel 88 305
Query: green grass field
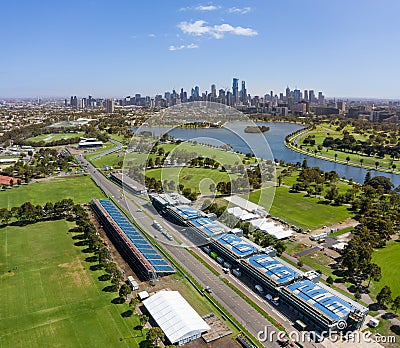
pixel 197 179
pixel 388 259
pixel 304 212
pixel 56 136
pixel 49 298
pixel 81 189
pixel 324 130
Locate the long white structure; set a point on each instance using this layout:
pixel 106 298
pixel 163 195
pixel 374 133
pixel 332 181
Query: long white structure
pixel 179 321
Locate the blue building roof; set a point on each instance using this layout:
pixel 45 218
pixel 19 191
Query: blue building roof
pixel 273 268
pixel 187 212
pixel 237 245
pixel 146 249
pixel 320 298
pixel 208 226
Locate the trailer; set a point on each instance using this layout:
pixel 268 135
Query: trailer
pixel 133 283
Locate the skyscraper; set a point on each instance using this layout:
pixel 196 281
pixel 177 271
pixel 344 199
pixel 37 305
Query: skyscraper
pixel 235 91
pixel 297 95
pixel 110 106
pixel 213 91
pixel 287 92
pixel 311 96
pixel 305 97
pixel 243 93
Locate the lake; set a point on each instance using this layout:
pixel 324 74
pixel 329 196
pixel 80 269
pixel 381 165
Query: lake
pixel 268 145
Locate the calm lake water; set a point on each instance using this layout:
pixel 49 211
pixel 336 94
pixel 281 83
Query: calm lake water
pixel 269 145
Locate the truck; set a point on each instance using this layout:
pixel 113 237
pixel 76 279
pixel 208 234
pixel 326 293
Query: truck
pixel 220 260
pixel 236 273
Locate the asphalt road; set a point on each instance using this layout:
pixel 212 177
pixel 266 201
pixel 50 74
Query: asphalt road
pixel 253 321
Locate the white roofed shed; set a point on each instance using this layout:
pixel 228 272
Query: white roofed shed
pixel 179 321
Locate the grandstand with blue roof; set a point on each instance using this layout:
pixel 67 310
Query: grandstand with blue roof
pixel 136 249
pixel 232 247
pixel 323 306
pixel 270 272
pixel 209 227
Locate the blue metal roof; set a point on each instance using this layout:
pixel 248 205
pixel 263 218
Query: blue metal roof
pixel 208 226
pixel 320 298
pixel 273 268
pixel 187 212
pixel 146 249
pixel 237 245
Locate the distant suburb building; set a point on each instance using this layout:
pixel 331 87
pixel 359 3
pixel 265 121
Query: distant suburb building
pixel 89 143
pixel 178 320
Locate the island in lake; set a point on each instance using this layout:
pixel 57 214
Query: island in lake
pixel 256 129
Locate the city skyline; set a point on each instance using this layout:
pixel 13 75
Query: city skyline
pixel 68 49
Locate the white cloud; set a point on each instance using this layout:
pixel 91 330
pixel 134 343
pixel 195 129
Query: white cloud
pixel 238 10
pixel 182 47
pixel 201 8
pixel 151 35
pixel 207 8
pixel 200 27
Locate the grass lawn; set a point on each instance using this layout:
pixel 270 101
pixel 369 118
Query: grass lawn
pixel 197 179
pixel 56 136
pixel 81 189
pixel 322 132
pixel 304 212
pixel 49 296
pixel 388 259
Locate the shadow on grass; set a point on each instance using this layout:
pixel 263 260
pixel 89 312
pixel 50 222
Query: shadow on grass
pixel 93 258
pixel 146 344
pixel 97 267
pixel 110 288
pixel 87 250
pixel 324 202
pixel 374 307
pixel 74 229
pixel 104 277
pixel 127 313
pixel 118 300
pixel 79 237
pixel 395 329
pixel 81 243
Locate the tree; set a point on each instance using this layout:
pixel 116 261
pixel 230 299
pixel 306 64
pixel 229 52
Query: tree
pixel 329 280
pixel 347 159
pixel 124 290
pixel 154 334
pixel 367 177
pixel 304 164
pixel 376 165
pixel 385 296
pixel 361 161
pixel 357 295
pixel 280 247
pixel 279 180
pixel 335 157
pixel 396 304
pixel 143 319
pixel 374 273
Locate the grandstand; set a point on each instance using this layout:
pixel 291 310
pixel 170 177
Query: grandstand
pixel 136 249
pixel 317 305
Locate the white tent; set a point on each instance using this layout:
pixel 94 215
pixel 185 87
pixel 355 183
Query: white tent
pixel 179 321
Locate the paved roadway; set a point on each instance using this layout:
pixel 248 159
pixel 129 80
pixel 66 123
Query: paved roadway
pixel 253 321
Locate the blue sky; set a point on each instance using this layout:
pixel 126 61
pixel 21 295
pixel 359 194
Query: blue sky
pixel 118 48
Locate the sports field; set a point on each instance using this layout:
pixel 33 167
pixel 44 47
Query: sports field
pixel 197 179
pixel 81 189
pixel 49 298
pixel 388 259
pixel 304 212
pixel 56 136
